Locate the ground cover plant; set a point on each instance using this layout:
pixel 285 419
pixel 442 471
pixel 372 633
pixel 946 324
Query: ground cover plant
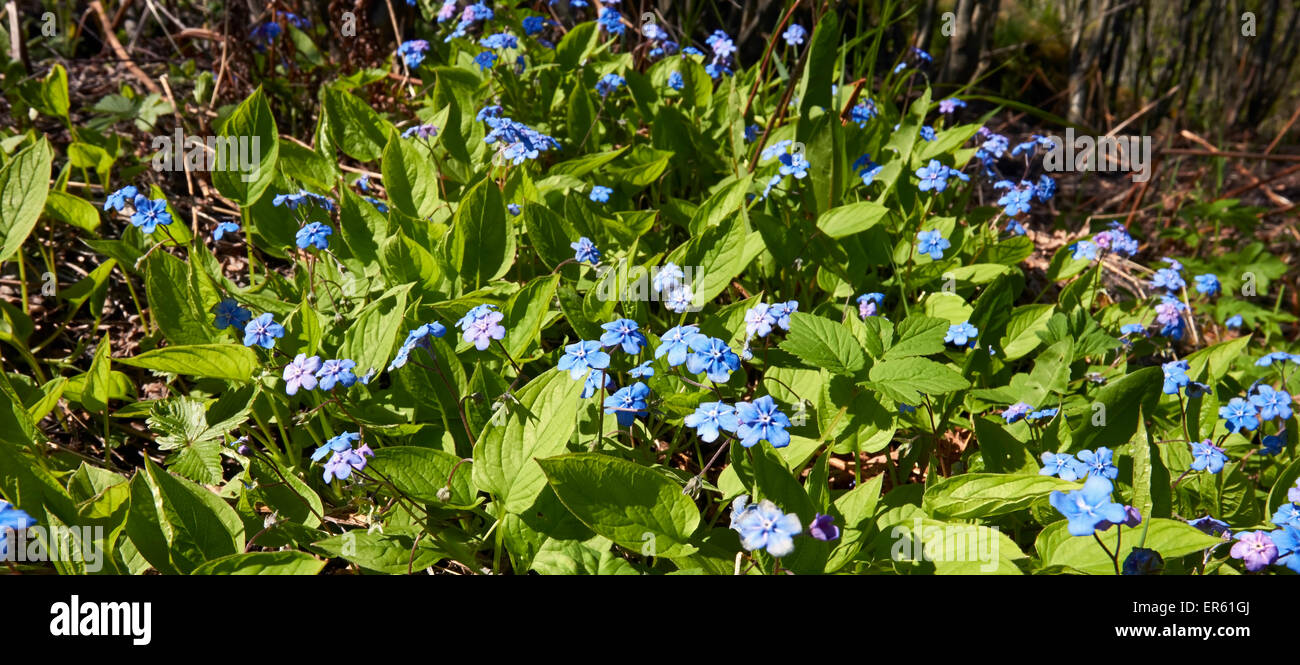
pixel 576 288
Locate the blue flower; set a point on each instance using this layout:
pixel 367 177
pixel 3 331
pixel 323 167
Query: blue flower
pixel 628 403
pixel 1045 189
pixel 1207 284
pixel 533 25
pixel 759 320
pixel 425 131
pixel 932 243
pixel 1287 542
pixel 711 356
pixel 12 518
pixel 1088 507
pixel 1016 412
pixel 765 527
pixel 1240 414
pixel 1016 202
pixel 301 373
pixel 962 334
pixel 934 176
pixel 149 214
pixel 1287 515
pixel 667 278
pixel 224 228
pixel 711 417
pixel 1168 279
pixel 1098 463
pixel 823 528
pixel 1234 322
pixel 514 209
pixel 794 34
pixel 1063 465
pixel 609 83
pixel 950 104
pixel 645 369
pixel 927 132
pixel 1083 251
pixel 761 420
pixel 1276 356
pixel 499 40
pixel 1041 414
pixel 796 165
pixel 262 331
pixel 675 342
pixel 484 329
pixel 412 52
pixel 1175 376
pixel 263 34
pixel 416 338
pixel 600 194
pixel 679 299
pixel 676 82
pixel 315 235
pixel 863 112
pixel 344 459
pixel 585 251
pixel 781 311
pixel 582 356
pixel 1271 403
pixel 869 303
pixel 338 372
pixel 1255 548
pixel 1134 329
pixel 592 383
pixel 1212 526
pixel 118 200
pixel 485 60
pixel 229 313
pixel 751 132
pixel 611 21
pixel 625 332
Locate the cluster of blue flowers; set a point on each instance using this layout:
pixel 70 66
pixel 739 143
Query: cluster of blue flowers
pixel 518 142
pixel 147 214
pixel 934 176
pixel 764 526
pixel 412 52
pixel 1099 462
pixel 791 163
pixel 723 51
pixel 343 458
pixel 309 373
pixel 481 325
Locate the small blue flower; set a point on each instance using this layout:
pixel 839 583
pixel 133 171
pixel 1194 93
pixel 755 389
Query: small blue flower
pixel 794 34
pixel 1063 465
pixel 582 356
pixel 1168 279
pixel 600 194
pixel 711 356
pixel 1287 515
pixel 761 420
pixel 149 214
pixel 338 372
pixel 1045 189
pixel 934 176
pixel 415 338
pixel 675 81
pixel 932 243
pixel 947 106
pixel 15 519
pixel 1234 322
pixel 1088 507
pixel 1212 526
pixel 823 528
pixel 533 25
pixel 667 278
pixel 766 527
pixel 675 342
pixel 628 403
pixel 118 200
pixel 315 235
pixel 1240 414
pixel 1133 329
pixel 863 112
pixel 412 52
pixel 224 228
pixel 1083 251
pixel 609 83
pixel 1271 403
pixel 484 329
pixel 611 21
pixel 592 383
pixel 262 331
pixel 645 369
pixel 585 251
pixel 869 303
pixel 781 311
pixel 485 60
pixel 1271 445
pixel 1207 284
pixel 1098 462
pixel 499 40
pixel 1041 414
pixel 711 417
pixel 927 132
pixel 962 334
pixel 759 320
pixel 229 313
pixel 1175 376
pixel 301 373
pixel 623 332
pixel 1016 412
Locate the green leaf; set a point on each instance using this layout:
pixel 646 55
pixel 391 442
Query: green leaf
pixel 718 255
pixel 409 178
pixel 821 342
pixel 902 380
pixel 95 395
pixel 247 147
pixel 630 504
pixel 852 218
pixel 174 303
pixel 183 425
pixel 1171 538
pixel 482 242
pixel 353 126
pixel 72 210
pixel 1023 328
pixel 422 472
pixel 1216 360
pixel 197 525
pixel 393 552
pixel 574 557
pixel 918 336
pixel 526 312
pixel 24 184
pixel 216 361
pixel 504 454
pixel 369 339
pixel 973 495
pixel 1124 400
pixel 263 563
